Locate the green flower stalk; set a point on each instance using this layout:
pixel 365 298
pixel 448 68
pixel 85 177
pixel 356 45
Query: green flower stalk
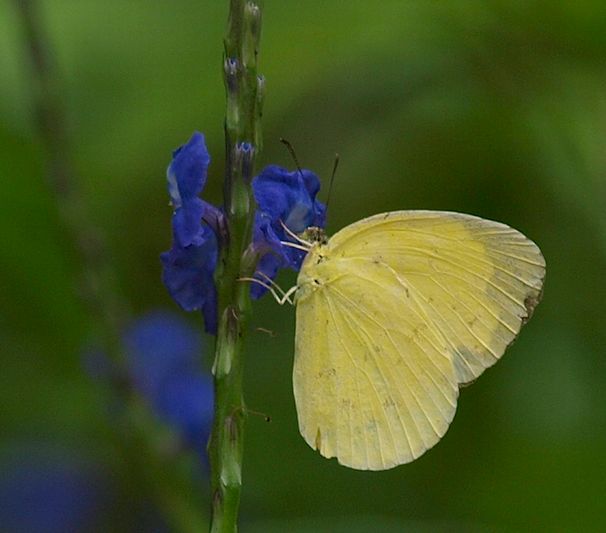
pixel 215 252
pixel 242 142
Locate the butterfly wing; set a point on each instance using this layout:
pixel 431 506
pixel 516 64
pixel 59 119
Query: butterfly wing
pixel 374 384
pixel 476 280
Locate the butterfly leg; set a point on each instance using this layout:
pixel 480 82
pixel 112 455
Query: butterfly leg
pixel 294 245
pixel 282 297
pixel 288 294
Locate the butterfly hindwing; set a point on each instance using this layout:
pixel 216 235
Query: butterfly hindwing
pixel 375 386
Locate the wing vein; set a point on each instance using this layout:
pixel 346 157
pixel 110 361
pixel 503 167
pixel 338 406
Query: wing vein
pixel 463 241
pixel 440 327
pixel 340 337
pixel 462 321
pixel 405 402
pixel 475 274
pixel 412 371
pixel 425 320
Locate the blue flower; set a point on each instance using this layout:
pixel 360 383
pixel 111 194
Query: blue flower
pixel 163 354
pixel 188 267
pixel 185 402
pixel 160 344
pixel 284 199
pixel 47 492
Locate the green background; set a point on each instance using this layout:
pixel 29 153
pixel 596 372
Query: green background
pixel 495 108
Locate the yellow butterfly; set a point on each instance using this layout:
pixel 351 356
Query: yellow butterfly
pixel 396 312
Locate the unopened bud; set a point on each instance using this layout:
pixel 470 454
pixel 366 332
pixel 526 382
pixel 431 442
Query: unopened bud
pixel 252 16
pixel 231 66
pixel 245 153
pixel 252 34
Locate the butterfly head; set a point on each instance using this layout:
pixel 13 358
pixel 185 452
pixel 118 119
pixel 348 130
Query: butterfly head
pixel 314 235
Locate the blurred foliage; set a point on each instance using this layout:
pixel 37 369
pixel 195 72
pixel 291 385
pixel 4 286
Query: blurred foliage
pixel 491 107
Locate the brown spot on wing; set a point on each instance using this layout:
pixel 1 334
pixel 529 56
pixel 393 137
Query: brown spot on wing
pixel 530 303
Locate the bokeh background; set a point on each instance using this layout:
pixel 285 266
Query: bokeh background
pixel 490 107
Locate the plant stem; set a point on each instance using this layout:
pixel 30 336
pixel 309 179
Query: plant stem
pixel 244 90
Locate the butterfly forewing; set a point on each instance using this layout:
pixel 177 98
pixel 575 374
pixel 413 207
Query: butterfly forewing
pixel 477 281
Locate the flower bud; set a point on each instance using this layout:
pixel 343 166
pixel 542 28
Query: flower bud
pixel 245 153
pixel 231 67
pixel 252 34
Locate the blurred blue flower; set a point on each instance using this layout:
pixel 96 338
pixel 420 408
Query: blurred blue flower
pixel 185 402
pixel 158 345
pixel 48 493
pixel 163 354
pixel 284 199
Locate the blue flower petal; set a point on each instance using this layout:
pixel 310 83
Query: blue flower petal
pixel 187 223
pixel 187 172
pixel 287 198
pixel 188 275
pixel 186 178
pixel 265 237
pixel 283 195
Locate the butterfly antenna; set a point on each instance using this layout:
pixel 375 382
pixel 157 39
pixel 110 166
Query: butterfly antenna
pixel 292 153
pixel 332 179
